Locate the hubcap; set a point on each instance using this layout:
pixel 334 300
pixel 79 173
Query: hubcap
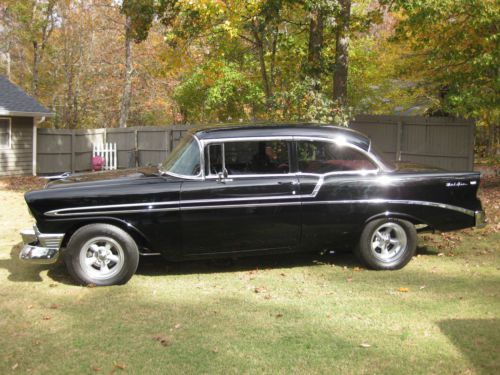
pixel 387 241
pixel 101 258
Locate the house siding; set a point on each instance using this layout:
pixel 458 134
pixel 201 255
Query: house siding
pixel 18 160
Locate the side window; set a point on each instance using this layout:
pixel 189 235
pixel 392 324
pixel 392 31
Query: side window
pixel 325 157
pixel 5 130
pixel 245 158
pixel 213 157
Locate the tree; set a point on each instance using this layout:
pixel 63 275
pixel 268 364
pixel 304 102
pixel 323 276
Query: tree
pixel 455 45
pixel 342 53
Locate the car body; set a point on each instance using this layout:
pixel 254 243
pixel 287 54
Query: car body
pixel 247 190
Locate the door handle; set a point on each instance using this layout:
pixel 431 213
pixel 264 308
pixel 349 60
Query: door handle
pixel 288 183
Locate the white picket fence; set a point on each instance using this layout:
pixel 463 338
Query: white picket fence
pixel 108 152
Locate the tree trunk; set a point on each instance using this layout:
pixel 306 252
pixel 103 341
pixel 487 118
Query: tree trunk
pixel 342 54
pixel 314 65
pixel 262 62
pixel 127 87
pixel 36 64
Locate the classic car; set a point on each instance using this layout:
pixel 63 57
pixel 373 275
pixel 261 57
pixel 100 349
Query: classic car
pixel 248 190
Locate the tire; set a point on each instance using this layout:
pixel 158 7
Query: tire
pixel 387 244
pixel 101 254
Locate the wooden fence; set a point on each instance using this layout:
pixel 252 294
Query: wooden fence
pixel 440 141
pixel 61 150
pixel 444 142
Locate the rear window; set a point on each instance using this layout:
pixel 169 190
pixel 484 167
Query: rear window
pixel 326 157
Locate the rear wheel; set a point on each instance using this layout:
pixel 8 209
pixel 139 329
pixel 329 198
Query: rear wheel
pixel 387 244
pixel 101 254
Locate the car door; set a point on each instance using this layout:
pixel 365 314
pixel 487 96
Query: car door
pixel 248 200
pixel 336 180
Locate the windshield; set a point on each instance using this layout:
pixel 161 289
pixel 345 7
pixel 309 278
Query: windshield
pixel 184 159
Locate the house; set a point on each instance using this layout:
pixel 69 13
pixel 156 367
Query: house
pixel 19 116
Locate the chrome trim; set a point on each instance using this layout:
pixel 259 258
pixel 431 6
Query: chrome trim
pixel 480 219
pixel 395 201
pixel 380 165
pixel 251 205
pixel 40 248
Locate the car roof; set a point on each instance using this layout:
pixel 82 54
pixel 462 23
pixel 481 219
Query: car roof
pixel 285 130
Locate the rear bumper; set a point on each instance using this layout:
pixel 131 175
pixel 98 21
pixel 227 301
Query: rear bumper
pixel 40 248
pixel 480 217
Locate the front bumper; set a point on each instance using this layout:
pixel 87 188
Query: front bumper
pixel 40 248
pixel 481 220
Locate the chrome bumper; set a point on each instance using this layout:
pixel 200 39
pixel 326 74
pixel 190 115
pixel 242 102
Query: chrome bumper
pixel 480 219
pixel 40 248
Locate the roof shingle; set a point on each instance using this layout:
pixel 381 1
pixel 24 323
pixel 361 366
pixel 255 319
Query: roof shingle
pixel 15 102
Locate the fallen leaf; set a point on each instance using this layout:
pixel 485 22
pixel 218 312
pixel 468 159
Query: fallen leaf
pixel 52 285
pixel 267 296
pixel 30 307
pixel 365 345
pixel 177 326
pixel 95 368
pixel 282 274
pixel 54 306
pixel 279 315
pixel 165 341
pixel 15 366
pixel 260 289
pixel 91 285
pixel 120 366
pixel 46 317
pixel 440 254
pixel 349 279
pixel 215 350
pixel 403 290
pixel 422 287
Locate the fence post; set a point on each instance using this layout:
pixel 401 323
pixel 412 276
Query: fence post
pixel 472 131
pixel 136 148
pixel 73 146
pixel 399 139
pixel 169 140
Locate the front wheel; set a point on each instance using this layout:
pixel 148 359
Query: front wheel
pixel 387 244
pixel 101 254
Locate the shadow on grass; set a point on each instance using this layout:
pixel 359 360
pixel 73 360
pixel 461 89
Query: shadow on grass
pixel 475 338
pixel 22 272
pixel 158 266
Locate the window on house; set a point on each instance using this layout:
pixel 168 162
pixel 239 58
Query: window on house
pixel 5 132
pixel 325 157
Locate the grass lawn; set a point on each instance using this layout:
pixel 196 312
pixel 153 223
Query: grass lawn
pixel 301 314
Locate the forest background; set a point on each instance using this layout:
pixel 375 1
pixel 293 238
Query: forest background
pixel 110 63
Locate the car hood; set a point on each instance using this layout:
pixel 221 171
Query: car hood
pixel 103 178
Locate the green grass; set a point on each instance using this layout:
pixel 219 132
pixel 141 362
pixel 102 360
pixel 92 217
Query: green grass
pixel 304 314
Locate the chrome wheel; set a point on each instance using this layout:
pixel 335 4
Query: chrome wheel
pixel 101 258
pixel 388 241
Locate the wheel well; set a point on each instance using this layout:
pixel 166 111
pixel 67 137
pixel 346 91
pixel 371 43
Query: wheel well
pixel 139 238
pixel 396 215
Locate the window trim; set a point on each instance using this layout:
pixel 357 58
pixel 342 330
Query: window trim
pixel 9 147
pixel 362 172
pixel 222 142
pixel 294 168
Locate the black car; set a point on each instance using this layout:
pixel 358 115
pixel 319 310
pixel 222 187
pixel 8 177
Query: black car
pixel 235 191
